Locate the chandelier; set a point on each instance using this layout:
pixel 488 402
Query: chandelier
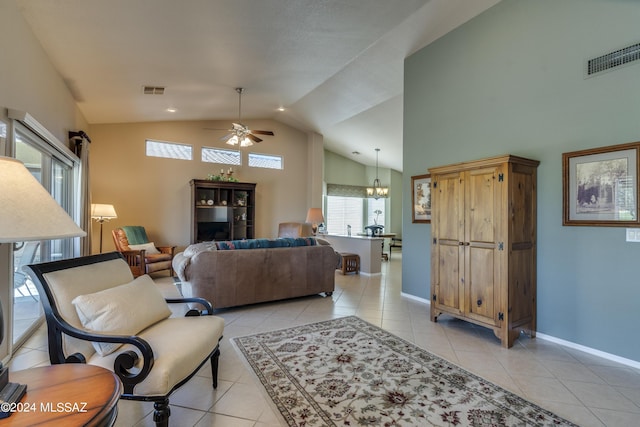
pixel 377 191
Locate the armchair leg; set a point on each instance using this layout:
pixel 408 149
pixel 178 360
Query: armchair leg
pixel 161 412
pixel 214 366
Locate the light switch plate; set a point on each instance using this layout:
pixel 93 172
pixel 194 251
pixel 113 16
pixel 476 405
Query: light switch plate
pixel 633 235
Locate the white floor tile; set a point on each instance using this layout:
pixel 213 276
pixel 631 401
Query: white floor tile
pixel 583 388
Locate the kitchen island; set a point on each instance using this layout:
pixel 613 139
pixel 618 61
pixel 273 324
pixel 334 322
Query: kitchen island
pixel 368 248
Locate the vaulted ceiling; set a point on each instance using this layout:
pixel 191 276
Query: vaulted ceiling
pixel 334 66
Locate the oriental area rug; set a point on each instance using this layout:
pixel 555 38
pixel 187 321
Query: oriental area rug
pixel 347 372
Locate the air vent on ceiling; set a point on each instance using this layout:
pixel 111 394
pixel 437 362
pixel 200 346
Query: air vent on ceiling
pixel 613 59
pixel 153 90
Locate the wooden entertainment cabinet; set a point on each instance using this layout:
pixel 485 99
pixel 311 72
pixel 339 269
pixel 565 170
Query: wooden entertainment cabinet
pixel 483 253
pixel 222 210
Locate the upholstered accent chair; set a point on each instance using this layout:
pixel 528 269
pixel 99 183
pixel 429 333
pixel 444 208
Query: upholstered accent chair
pixel 97 313
pixel 143 256
pixel 294 229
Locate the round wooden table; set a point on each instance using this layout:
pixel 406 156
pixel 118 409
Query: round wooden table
pixel 70 394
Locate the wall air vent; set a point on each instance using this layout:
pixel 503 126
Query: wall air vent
pixel 153 90
pixel 613 60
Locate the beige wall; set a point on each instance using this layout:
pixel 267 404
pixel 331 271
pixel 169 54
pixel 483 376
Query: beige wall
pixel 155 192
pixel 29 82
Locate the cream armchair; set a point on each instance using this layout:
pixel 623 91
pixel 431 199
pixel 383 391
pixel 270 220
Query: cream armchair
pixel 97 313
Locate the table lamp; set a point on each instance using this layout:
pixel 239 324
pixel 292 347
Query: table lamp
pixel 315 217
pixel 27 212
pixel 102 213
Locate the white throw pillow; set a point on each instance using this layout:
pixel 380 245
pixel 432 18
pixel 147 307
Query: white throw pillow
pixel 196 248
pixel 122 310
pixel 150 248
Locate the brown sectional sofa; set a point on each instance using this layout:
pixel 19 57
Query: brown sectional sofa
pixel 229 278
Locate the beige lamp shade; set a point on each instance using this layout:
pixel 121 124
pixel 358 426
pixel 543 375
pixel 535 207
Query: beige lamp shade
pixel 27 210
pixel 103 212
pixel 314 216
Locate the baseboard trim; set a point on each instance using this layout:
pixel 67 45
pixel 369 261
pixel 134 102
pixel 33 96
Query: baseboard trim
pixel 609 356
pixel 362 273
pixel 413 297
pixel 589 350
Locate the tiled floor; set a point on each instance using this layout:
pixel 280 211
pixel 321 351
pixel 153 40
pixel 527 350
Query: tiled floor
pixel 585 389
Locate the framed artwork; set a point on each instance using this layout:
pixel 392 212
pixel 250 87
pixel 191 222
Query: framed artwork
pixel 600 186
pixel 421 198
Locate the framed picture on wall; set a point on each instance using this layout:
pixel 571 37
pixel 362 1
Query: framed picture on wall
pixel 600 186
pixel 421 198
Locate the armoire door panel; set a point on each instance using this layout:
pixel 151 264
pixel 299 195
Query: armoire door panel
pixel 448 290
pixel 480 280
pixel 480 221
pixel 449 196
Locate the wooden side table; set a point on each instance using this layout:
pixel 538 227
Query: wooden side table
pixel 350 263
pixel 68 394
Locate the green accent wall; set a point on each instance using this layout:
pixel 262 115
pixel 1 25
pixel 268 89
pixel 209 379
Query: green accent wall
pixel 341 170
pixel 512 81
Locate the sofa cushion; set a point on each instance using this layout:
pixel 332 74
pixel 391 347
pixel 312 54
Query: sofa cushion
pixel 285 242
pixel 303 241
pixel 117 310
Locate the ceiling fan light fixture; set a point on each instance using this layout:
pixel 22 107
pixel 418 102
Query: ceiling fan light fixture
pixel 240 134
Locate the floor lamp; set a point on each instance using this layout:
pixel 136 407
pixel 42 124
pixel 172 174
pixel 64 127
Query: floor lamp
pixel 27 213
pixel 102 213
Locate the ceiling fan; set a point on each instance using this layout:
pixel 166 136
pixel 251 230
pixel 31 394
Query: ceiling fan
pixel 239 132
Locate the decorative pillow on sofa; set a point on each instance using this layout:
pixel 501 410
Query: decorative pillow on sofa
pixel 149 248
pixel 298 241
pixel 118 311
pixel 282 242
pixel 196 248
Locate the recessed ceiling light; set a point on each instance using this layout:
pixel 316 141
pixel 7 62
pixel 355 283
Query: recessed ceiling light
pixel 172 110
pixel 280 108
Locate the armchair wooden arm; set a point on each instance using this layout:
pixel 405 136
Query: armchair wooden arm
pixel 167 250
pixel 136 261
pixel 123 363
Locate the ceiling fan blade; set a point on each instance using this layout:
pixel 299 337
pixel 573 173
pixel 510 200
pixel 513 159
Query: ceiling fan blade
pixel 253 137
pixel 262 132
pixel 226 137
pixel 214 129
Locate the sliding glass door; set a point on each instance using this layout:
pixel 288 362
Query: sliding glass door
pixel 56 174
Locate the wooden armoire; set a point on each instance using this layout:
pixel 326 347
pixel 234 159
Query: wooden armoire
pixel 483 257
